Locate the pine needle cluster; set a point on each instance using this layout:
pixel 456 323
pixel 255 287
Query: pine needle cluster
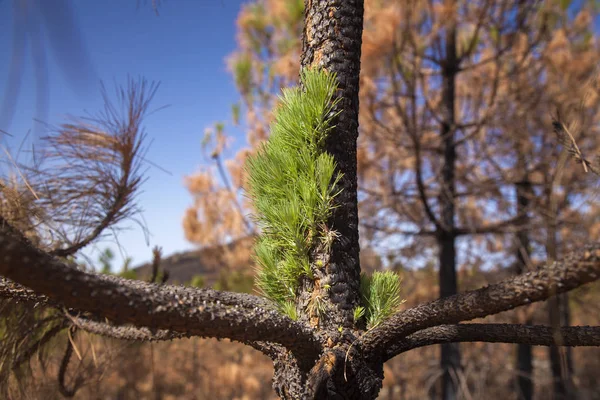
pixel 381 295
pixel 292 181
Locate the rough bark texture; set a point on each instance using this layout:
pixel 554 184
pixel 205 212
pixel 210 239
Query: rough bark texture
pixel 502 333
pixel 201 312
pixel 332 40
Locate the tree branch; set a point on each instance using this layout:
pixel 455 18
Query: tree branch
pixel 578 268
pixel 14 291
pixel 534 335
pixel 11 290
pixel 200 312
pixel 498 227
pixel 132 333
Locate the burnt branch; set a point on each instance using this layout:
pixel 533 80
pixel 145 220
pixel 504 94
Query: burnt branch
pixel 577 269
pixel 22 294
pixel 534 335
pixel 200 312
pixel 498 227
pixel 130 333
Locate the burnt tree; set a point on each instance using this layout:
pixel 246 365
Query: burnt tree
pixel 327 358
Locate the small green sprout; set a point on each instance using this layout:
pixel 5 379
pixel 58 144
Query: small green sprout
pixel 381 295
pixel 359 312
pixel 289 308
pixel 292 183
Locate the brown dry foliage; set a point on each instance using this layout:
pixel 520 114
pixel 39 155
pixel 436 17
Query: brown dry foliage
pixel 82 182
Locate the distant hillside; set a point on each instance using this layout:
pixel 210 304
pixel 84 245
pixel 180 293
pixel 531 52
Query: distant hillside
pixel 208 262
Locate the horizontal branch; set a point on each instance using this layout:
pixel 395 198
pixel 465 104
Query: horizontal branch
pixel 199 312
pixel 143 334
pixel 133 333
pixel 14 291
pixel 578 268
pixel 498 227
pixel 534 335
pixel 22 294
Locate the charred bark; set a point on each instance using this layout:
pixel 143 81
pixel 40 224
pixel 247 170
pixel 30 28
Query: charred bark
pixel 332 40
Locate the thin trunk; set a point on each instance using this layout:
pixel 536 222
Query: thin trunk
pixel 446 240
pixel 559 315
pixel 524 351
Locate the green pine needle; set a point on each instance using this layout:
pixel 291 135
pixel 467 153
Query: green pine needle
pixel 291 181
pixel 381 294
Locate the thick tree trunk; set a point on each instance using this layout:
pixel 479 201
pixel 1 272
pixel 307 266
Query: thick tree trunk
pixel 450 355
pixel 340 373
pixel 332 40
pixel 524 351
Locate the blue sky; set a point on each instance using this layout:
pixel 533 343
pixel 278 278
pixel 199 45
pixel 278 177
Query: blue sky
pixel 185 49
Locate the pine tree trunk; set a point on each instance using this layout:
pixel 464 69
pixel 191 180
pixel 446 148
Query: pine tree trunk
pixel 332 40
pixel 450 354
pixel 339 374
pixel 524 351
pixel 559 315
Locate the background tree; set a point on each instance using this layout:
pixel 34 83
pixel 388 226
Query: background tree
pixel 328 357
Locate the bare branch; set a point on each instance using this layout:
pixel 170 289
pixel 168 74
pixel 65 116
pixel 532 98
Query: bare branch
pixel 19 293
pixel 498 227
pixel 567 139
pixel 578 268
pixel 201 312
pixel 11 290
pixel 535 335
pixel 126 332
